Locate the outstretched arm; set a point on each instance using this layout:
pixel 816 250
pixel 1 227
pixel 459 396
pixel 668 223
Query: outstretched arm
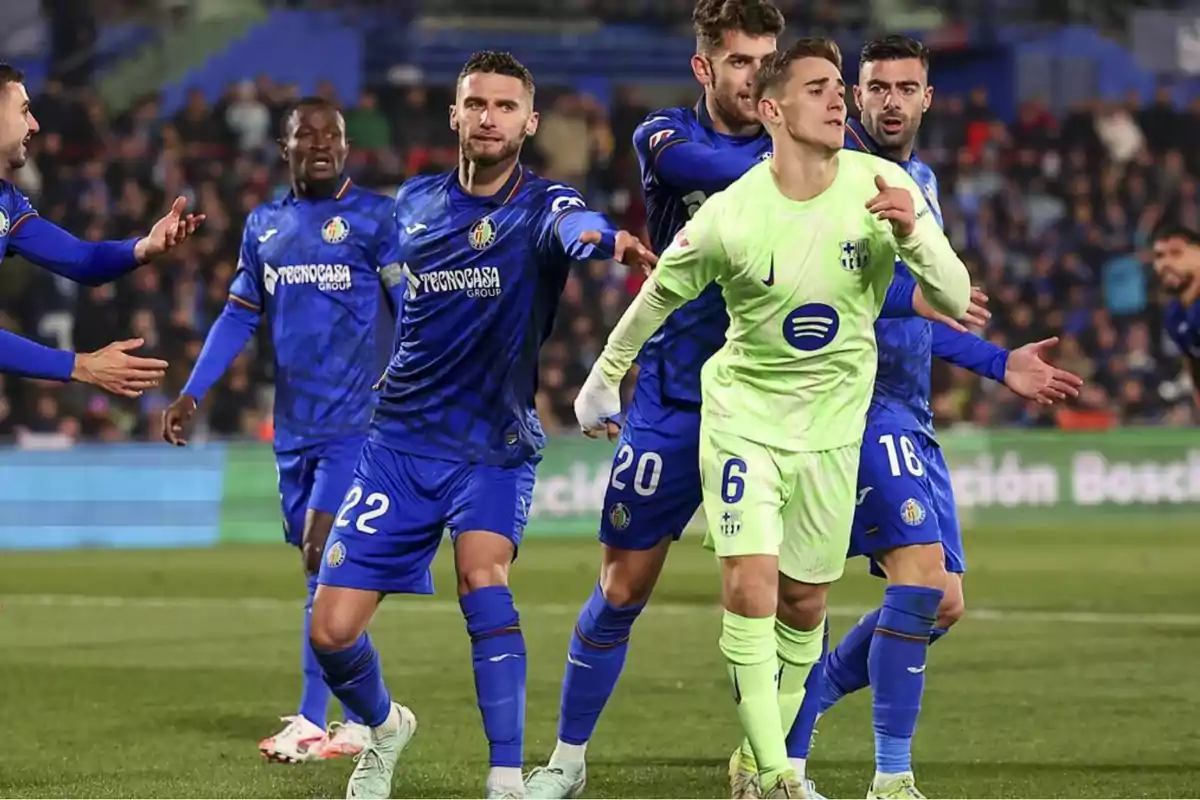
pixel 20 356
pixel 970 352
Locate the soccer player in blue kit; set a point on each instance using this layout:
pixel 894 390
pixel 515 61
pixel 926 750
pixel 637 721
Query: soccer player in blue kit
pixel 906 521
pixel 1177 263
pixel 45 244
pixel 321 263
pixel 455 439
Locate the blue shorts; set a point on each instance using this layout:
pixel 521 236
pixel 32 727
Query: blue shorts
pixel 392 519
pixel 654 487
pixel 904 497
pixel 316 477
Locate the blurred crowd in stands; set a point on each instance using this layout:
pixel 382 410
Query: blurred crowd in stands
pixel 1052 216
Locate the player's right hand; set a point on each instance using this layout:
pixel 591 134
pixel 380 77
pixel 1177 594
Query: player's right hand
pixel 113 369
pixel 977 313
pixel 177 419
pixel 597 407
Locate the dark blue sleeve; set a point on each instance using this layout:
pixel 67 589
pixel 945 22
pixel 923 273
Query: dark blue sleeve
pixel 898 302
pixel 89 263
pixel 19 356
pixel 225 340
pixel 387 259
pixel 969 351
pixel 663 145
pixel 566 218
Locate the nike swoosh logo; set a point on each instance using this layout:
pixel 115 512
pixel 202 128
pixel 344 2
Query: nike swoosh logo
pixel 262 239
pixel 862 494
pixel 577 662
pixel 770 279
pixel 416 228
pixel 502 656
pixel 917 670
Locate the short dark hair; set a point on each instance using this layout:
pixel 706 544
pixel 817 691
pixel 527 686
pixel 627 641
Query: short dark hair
pixel 304 104
pixel 1175 230
pixel 10 74
pixel 894 47
pixel 489 61
pixel 712 18
pixel 774 70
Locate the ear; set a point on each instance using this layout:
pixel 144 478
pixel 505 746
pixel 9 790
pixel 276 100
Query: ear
pixel 858 97
pixel 702 70
pixel 769 112
pixel 282 149
pixel 531 124
pixel 928 101
pixel 454 118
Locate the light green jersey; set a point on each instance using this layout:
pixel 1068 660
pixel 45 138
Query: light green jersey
pixel 803 284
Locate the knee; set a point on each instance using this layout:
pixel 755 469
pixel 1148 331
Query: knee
pixel 950 611
pixel 918 565
pixel 481 576
pixel 801 605
pixel 329 634
pixel 750 585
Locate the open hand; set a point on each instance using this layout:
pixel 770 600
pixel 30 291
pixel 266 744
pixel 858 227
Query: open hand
pixel 168 232
pixel 1029 375
pixel 177 419
pixel 114 370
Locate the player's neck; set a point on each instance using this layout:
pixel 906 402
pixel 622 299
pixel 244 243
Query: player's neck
pixel 1191 294
pixel 721 125
pixel 899 154
pixel 316 190
pixel 480 181
pixel 802 173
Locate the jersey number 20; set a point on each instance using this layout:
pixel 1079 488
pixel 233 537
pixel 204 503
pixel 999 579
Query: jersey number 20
pixel 907 452
pixel 645 477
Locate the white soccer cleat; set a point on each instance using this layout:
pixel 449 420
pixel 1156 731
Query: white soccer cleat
pixel 372 776
pixel 558 781
pixel 343 740
pixel 298 741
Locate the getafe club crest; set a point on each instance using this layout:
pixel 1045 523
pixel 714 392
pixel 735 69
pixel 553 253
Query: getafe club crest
pixel 4 223
pixel 335 230
pixel 482 234
pixel 619 516
pixel 855 255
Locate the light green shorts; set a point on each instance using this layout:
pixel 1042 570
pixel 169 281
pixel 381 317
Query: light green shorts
pixel 759 500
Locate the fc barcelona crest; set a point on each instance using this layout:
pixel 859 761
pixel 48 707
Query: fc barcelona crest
pixel 855 255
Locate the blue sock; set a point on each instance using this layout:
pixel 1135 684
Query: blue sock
pixel 355 677
pixel 846 665
pixel 799 738
pixel 594 663
pixel 314 694
pixel 897 671
pixel 498 656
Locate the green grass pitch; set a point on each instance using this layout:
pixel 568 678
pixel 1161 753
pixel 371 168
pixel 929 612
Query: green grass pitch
pixel 154 674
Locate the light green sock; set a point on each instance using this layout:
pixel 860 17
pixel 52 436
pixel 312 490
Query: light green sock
pixel 798 651
pixel 749 648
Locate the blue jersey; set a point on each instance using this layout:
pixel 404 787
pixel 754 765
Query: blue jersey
pixel 683 162
pixel 902 391
pixel 1183 326
pixel 315 268
pixel 483 275
pixel 15 210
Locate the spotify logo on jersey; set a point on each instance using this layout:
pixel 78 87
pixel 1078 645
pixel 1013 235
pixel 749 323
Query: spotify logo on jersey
pixel 811 326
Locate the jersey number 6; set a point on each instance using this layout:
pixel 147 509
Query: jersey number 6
pixel 733 485
pixel 377 505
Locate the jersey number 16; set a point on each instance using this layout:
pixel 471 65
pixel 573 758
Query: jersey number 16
pixel 907 452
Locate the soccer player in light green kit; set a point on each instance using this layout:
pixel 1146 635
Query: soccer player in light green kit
pixel 804 248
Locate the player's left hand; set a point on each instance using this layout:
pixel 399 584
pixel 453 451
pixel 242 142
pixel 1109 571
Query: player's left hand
pixel 168 232
pixel 1029 375
pixel 627 249
pixel 977 312
pixel 597 407
pixel 895 205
